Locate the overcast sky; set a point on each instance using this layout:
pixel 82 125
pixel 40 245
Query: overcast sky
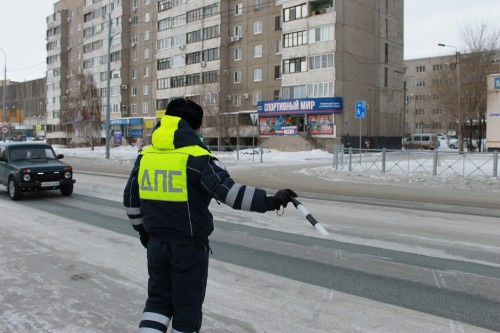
pixel 427 22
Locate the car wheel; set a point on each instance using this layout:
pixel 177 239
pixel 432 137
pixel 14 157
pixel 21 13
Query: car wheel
pixel 67 190
pixel 452 146
pixel 14 189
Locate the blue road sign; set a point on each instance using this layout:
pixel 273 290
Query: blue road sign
pixel 360 109
pixel 497 83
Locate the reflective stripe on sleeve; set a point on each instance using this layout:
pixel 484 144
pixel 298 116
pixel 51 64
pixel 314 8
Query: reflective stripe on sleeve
pixel 137 221
pixel 246 204
pixel 232 194
pixel 133 210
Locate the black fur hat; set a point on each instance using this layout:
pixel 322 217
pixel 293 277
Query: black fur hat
pixel 187 110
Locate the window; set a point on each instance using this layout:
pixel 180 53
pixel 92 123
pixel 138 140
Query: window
pixel 436 68
pixel 211 32
pixel 210 76
pixel 134 73
pixel 236 100
pixel 257 27
pixel 320 89
pixel 145 89
pixel 276 94
pixel 145 107
pixel 210 54
pixel 193 36
pixel 133 108
pixel 164 24
pixel 133 91
pixel 237 77
pixel 237 54
pixel 294 38
pixel 162 64
pixel 163 83
pixel 259 4
pixel 321 34
pixel 321 61
pixel 147 17
pixel 146 71
pixel 290 92
pixel 277 23
pixel 193 58
pixel 178 20
pixel 238 31
pixel 277 72
pixel 194 15
pixel 277 47
pixel 256 97
pixel 257 51
pixel 420 83
pixel 146 35
pixel 177 81
pixel 192 79
pixel 257 74
pixel 420 69
pixel 295 13
pixel 146 53
pixel 178 61
pixel 420 112
pixel 294 65
pixel 115 73
pixel 238 9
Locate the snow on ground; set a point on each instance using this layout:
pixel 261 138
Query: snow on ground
pixel 320 165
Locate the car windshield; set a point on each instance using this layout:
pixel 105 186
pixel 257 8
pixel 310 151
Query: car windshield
pixel 31 153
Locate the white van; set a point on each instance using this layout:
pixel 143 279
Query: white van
pixel 422 141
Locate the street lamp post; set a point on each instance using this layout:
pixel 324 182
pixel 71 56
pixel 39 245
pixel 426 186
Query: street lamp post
pixel 459 113
pixel 4 91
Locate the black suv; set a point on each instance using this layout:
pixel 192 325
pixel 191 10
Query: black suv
pixel 33 166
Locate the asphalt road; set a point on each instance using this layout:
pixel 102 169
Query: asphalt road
pixel 408 261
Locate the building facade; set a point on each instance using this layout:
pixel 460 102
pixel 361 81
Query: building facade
pixel 232 57
pixel 25 112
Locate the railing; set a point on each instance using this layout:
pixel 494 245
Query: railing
pixel 249 153
pixel 411 162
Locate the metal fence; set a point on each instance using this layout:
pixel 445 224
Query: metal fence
pixel 411 162
pixel 248 153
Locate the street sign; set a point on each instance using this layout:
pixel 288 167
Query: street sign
pixel 5 130
pixel 360 109
pixel 497 83
pixel 254 117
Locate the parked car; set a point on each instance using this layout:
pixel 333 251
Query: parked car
pixel 33 166
pixel 453 143
pixel 422 141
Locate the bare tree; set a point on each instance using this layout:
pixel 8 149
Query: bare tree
pixel 85 112
pixel 481 46
pixel 466 108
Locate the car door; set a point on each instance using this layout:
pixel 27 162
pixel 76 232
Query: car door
pixel 3 165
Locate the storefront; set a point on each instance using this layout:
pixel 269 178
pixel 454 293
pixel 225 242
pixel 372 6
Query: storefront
pixel 131 129
pixel 305 116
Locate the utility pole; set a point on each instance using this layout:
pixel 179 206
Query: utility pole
pixel 459 112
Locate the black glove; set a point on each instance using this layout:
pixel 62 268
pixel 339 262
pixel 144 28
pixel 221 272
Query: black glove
pixel 282 198
pixel 144 239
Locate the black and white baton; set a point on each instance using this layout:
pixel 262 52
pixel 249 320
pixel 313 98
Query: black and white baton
pixel 309 217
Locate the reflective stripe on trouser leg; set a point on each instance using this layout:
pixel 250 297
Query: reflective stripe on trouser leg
pixel 153 323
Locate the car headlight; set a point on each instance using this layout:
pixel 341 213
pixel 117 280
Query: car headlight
pixel 26 177
pixel 67 174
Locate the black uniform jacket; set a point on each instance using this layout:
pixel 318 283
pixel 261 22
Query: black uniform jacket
pixel 174 204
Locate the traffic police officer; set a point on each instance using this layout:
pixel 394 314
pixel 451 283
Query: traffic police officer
pixel 166 198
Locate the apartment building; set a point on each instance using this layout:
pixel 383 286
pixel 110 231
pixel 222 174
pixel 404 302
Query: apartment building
pixel 235 58
pixel 447 94
pixel 24 108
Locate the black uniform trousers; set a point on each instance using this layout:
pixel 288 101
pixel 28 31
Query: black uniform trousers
pixel 177 283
